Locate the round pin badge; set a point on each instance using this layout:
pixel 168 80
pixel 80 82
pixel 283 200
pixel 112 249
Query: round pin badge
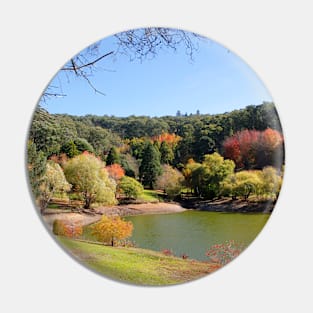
pixel 155 156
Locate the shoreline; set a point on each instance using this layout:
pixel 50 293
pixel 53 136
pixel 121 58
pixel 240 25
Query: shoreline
pixel 222 205
pixel 229 205
pixel 122 210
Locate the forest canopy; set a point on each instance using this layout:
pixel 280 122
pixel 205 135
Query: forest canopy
pixel 187 136
pixel 200 152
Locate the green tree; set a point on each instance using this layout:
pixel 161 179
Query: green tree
pixel 70 149
pixel 99 138
pixel 53 181
pixel 113 157
pixel 271 181
pixel 167 154
pixel 83 145
pixel 45 132
pixel 150 167
pixel 242 184
pixel 89 177
pixel 130 187
pixel 188 172
pixel 207 178
pixel 36 165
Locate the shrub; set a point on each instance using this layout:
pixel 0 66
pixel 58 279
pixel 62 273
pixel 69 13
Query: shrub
pixel 225 252
pixel 67 229
pixel 130 187
pixel 167 252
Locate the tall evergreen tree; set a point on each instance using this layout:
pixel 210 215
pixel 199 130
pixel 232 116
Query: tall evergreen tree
pixel 150 167
pixel 36 163
pixel 70 149
pixel 83 145
pixel 167 154
pixel 113 157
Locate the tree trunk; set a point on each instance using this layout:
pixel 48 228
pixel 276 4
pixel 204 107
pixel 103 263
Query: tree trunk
pixel 43 205
pixel 87 203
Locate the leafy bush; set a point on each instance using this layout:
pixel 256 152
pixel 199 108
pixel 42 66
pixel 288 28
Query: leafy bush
pixel 167 252
pixel 225 252
pixel 130 187
pixel 67 229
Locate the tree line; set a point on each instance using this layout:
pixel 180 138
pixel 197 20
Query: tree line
pixel 231 154
pixel 200 133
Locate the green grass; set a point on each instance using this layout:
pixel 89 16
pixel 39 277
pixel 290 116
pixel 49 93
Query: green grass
pixel 149 196
pixel 136 266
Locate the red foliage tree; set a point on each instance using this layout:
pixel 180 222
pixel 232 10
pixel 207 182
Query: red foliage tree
pixel 232 150
pixel 254 149
pixel 270 146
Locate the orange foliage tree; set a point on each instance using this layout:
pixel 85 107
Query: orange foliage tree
pixel 115 171
pixel 68 229
pixel 110 229
pixel 170 139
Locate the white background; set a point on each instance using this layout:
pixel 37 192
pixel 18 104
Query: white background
pixel 274 38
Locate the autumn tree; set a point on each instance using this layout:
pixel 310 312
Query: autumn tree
pixel 170 181
pixel 255 149
pixel 115 172
pixel 53 181
pixel 270 150
pixel 89 177
pixel 150 167
pixel 111 229
pixel 70 229
pixel 171 139
pixel 130 187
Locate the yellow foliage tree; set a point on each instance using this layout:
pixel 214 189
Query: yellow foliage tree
pixel 89 177
pixel 110 229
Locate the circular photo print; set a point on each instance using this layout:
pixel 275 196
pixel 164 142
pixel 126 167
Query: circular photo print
pixel 155 156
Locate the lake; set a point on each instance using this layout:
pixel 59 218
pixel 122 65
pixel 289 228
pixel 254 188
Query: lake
pixel 193 232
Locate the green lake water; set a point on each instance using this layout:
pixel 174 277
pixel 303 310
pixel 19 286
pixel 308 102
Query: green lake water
pixel 193 232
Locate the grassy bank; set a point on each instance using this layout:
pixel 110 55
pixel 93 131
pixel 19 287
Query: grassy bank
pixel 136 266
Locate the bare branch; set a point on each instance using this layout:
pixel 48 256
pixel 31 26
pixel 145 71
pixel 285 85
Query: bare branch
pixel 141 44
pixel 75 68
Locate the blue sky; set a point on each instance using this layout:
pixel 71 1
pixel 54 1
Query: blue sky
pixel 216 81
